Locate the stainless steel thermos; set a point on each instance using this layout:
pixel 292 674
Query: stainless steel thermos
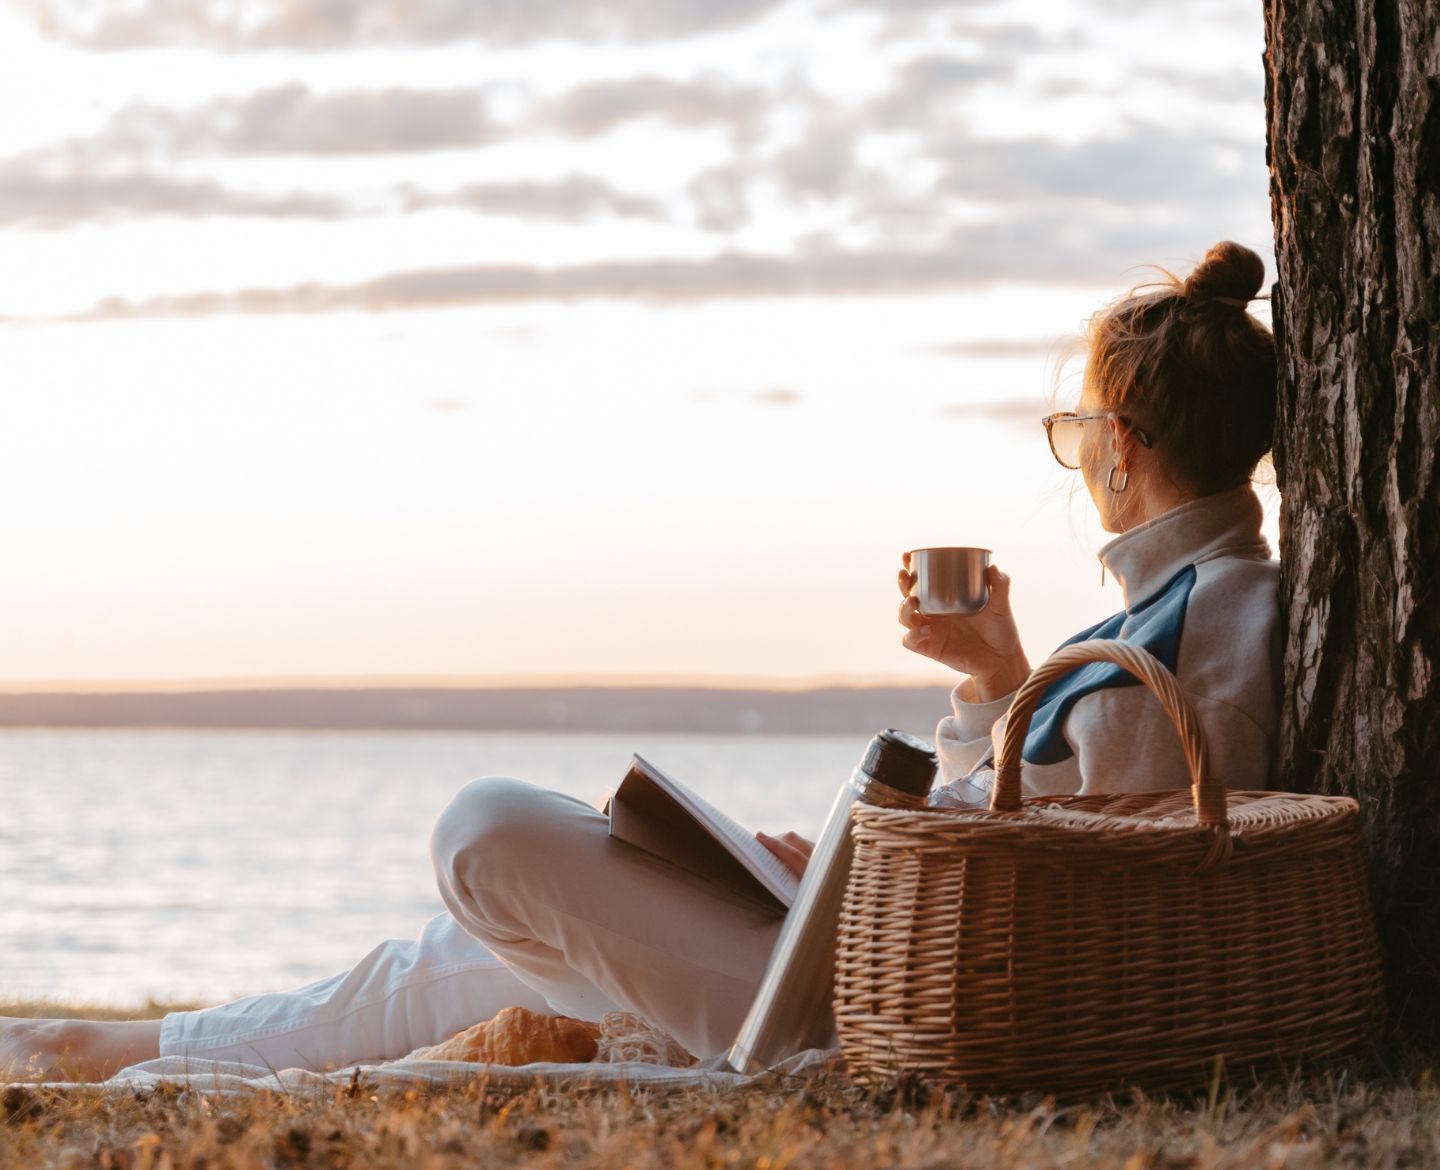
pixel 792 1009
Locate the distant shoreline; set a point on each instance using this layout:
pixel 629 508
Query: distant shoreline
pixel 692 709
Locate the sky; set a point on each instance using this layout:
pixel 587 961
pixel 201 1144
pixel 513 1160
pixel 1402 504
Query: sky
pixel 603 341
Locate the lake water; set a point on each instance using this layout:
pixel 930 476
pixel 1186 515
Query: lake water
pixel 207 864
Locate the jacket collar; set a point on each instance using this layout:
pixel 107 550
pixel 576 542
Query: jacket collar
pixel 1148 556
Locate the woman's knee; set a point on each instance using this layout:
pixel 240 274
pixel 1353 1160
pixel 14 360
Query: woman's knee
pixel 487 825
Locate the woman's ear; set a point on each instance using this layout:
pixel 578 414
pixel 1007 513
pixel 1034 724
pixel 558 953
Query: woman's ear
pixel 1122 440
pixel 1119 438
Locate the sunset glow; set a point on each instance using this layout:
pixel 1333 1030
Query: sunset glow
pixel 514 342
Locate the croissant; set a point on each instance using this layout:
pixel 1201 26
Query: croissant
pixel 517 1035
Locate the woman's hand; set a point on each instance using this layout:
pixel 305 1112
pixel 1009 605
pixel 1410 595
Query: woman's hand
pixel 985 645
pixel 791 848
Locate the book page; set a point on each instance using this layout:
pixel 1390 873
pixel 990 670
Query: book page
pixel 737 840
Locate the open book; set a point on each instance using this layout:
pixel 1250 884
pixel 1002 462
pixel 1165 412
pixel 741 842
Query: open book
pixel 660 815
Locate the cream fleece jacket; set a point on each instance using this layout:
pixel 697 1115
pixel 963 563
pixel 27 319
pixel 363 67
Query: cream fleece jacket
pixel 1201 594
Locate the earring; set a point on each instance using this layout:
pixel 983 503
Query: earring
pixel 1124 479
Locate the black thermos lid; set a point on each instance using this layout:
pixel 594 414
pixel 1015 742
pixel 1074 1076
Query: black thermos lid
pixel 901 760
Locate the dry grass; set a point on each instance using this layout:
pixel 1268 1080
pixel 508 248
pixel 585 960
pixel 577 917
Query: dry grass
pixel 1391 1119
pixel 54 1009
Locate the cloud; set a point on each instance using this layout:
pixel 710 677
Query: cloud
pixel 948 164
pixel 777 396
pixel 293 119
pixel 50 191
pixel 924 85
pixel 1014 38
pixel 1144 165
pixel 1017 414
pixel 599 107
pixel 1234 85
pixel 824 160
pixel 720 198
pixel 1025 249
pixel 571 199
pixel 728 276
pixel 1161 170
pixel 1147 177
pixel 911 14
pixel 344 24
pixel 822 163
pixel 991 348
pixel 347 24
pixel 1229 13
pixel 895 191
pixel 772 396
pixel 35 195
pixel 130 168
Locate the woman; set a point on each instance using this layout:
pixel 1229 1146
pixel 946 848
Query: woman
pixel 1176 410
pixel 546 911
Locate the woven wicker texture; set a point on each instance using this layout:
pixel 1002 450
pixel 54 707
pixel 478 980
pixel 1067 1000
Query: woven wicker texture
pixel 1079 944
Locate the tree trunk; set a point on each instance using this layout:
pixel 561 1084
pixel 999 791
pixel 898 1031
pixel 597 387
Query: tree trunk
pixel 1353 105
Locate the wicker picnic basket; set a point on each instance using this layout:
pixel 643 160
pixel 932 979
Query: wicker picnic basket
pixel 1085 943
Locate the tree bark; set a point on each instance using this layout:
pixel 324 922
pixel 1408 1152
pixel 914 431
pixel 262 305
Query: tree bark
pixel 1353 108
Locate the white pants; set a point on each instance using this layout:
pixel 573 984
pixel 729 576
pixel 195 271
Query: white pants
pixel 546 911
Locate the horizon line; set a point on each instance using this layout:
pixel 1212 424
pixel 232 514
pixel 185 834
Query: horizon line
pixel 575 680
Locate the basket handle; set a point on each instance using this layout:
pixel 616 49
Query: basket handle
pixel 1206 791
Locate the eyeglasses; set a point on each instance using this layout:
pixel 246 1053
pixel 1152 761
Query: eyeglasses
pixel 1065 428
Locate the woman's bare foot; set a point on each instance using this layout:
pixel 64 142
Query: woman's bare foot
pixel 74 1050
pixel 29 1049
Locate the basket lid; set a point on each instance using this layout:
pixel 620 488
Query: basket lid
pixel 1160 826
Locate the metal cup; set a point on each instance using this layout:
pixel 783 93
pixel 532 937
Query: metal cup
pixel 950 580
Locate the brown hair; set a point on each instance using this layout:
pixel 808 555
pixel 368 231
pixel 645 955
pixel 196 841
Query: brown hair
pixel 1185 362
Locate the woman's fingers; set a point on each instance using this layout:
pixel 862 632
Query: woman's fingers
pixel 906 582
pixel 914 639
pixel 918 627
pixel 999 589
pixel 792 839
pixel 910 615
pixel 919 641
pixel 793 851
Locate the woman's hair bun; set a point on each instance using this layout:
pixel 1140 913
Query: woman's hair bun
pixel 1228 270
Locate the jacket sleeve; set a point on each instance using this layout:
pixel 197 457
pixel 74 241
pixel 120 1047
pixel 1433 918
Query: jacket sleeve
pixel 962 740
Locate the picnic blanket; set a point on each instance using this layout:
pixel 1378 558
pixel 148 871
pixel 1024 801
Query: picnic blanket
pixel 227 1078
